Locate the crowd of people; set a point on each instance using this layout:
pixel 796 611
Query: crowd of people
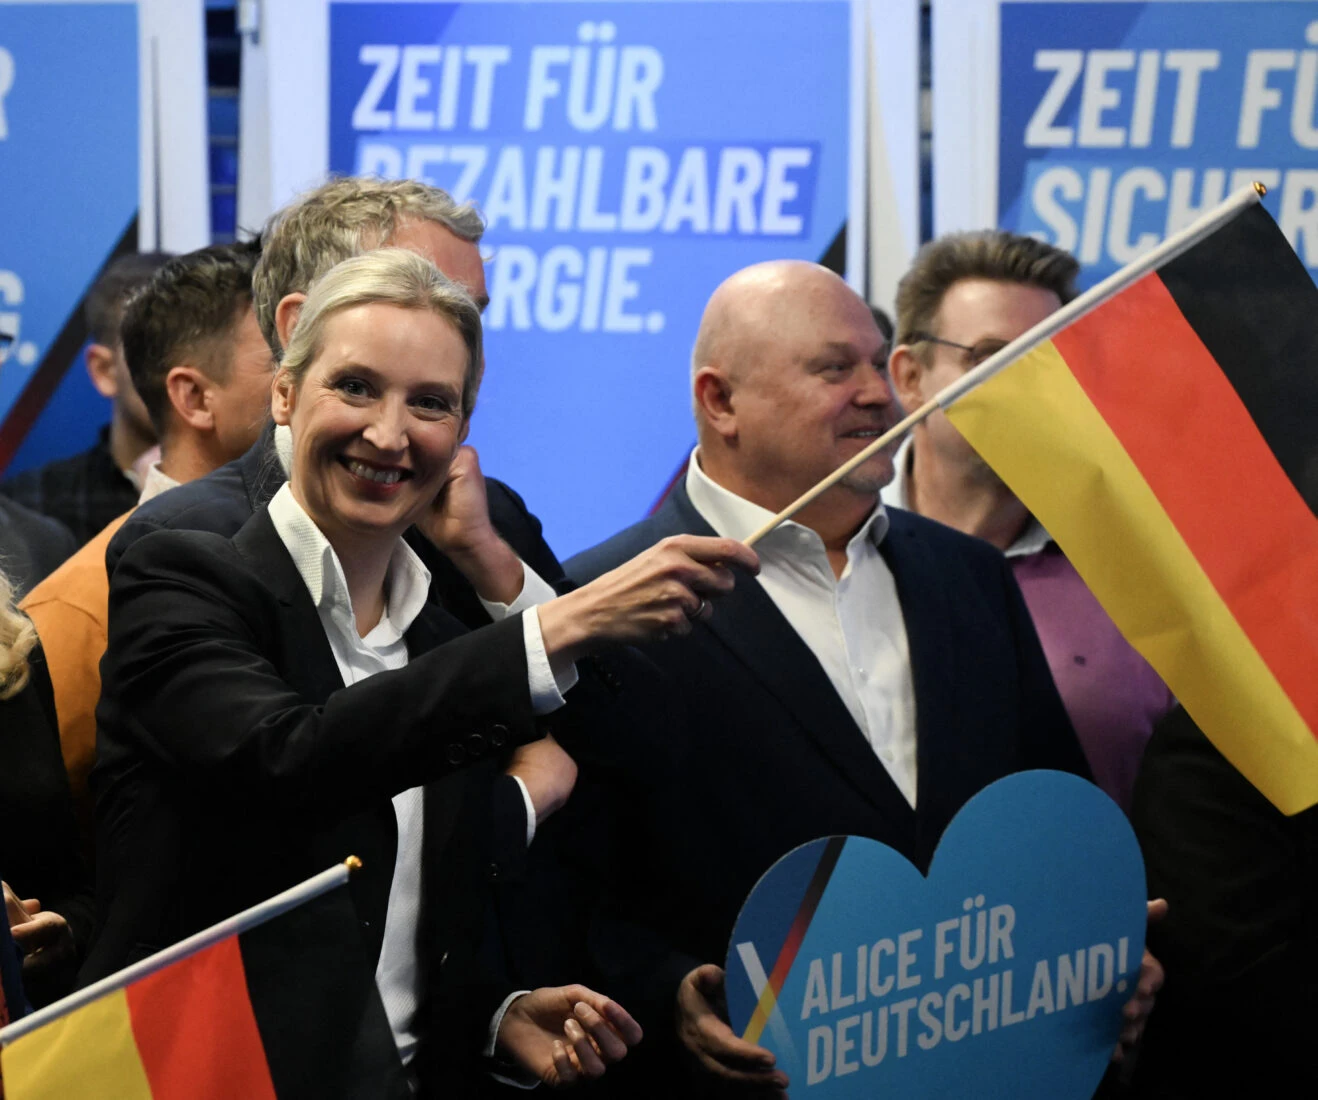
pixel 278 615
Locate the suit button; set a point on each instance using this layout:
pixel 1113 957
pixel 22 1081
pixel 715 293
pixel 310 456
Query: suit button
pixel 455 753
pixel 476 744
pixel 498 735
pixel 494 870
pixel 608 677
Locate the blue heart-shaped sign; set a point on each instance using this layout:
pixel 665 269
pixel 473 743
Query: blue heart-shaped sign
pixel 1001 975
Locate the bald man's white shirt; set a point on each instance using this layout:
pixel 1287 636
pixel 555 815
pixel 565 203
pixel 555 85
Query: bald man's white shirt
pixel 853 624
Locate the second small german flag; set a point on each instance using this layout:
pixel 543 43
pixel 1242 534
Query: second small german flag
pixel 286 1009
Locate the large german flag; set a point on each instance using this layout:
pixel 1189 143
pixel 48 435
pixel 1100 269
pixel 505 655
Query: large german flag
pixel 285 1009
pixel 1168 440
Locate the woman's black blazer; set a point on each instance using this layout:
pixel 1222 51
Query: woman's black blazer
pixel 233 763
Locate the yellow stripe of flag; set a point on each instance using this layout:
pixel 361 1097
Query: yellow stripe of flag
pixel 1034 424
pixel 88 1053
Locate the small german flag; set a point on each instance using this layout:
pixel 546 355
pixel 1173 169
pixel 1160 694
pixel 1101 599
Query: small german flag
pixel 287 1008
pixel 1168 440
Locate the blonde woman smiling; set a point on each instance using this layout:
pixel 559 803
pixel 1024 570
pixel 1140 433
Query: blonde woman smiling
pixel 278 700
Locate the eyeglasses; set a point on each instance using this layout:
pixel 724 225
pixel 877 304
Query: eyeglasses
pixel 974 354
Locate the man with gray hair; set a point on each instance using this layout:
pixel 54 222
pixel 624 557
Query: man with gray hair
pixel 349 215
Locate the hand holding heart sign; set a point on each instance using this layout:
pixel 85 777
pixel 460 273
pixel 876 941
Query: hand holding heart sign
pixel 1004 973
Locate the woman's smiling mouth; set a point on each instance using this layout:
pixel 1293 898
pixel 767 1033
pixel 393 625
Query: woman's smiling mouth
pixel 378 475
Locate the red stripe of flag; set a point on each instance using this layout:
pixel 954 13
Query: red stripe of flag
pixel 195 1031
pixel 1178 417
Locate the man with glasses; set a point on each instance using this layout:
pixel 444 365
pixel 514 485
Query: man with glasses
pixel 966 297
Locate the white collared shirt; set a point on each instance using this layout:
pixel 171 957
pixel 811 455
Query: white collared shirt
pixel 897 494
pixel 155 483
pixel 853 624
pixel 385 647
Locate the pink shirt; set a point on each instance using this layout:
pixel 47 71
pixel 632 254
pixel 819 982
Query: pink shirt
pixel 1112 694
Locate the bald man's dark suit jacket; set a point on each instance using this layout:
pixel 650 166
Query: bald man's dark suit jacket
pixel 765 755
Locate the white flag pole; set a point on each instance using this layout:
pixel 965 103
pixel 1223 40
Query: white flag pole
pixel 242 922
pixel 1172 247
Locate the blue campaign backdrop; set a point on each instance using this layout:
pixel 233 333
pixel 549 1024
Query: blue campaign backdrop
pixel 1001 975
pixel 1121 122
pixel 69 177
pixel 628 157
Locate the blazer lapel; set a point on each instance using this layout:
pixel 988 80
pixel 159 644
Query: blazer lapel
pixel 308 660
pixel 750 625
pixel 943 745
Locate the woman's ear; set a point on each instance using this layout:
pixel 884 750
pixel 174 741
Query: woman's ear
pixel 283 397
pixel 286 315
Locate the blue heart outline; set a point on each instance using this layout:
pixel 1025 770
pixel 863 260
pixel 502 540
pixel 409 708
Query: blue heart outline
pixel 1052 846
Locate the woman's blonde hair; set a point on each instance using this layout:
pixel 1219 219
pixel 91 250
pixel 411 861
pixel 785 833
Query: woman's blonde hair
pixel 388 276
pixel 18 637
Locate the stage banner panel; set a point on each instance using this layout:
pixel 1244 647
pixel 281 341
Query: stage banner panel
pixel 69 188
pixel 628 157
pixel 1117 124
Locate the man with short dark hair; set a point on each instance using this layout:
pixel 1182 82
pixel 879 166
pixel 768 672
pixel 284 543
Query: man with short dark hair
pixel 90 489
pixel 195 353
pixel 198 360
pixel 966 296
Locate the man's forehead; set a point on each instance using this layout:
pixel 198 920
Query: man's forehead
pixel 979 307
pixel 455 257
pixel 835 319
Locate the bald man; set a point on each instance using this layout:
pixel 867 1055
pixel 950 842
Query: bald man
pixel 880 670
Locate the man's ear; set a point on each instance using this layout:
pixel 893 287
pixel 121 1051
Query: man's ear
pixel 286 315
pixel 100 369
pixel 283 395
pixel 907 373
pixel 712 394
pixel 186 388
